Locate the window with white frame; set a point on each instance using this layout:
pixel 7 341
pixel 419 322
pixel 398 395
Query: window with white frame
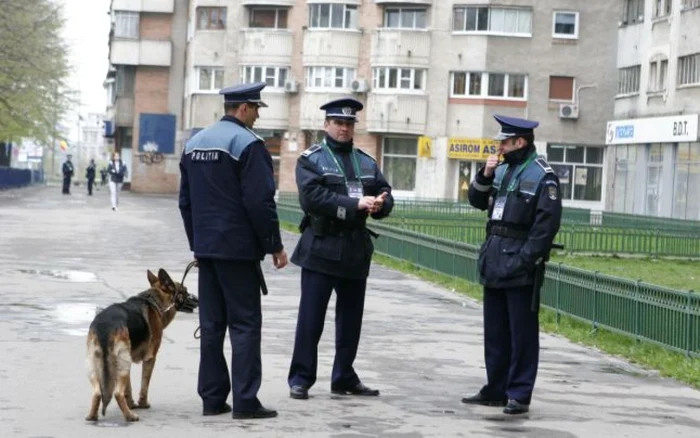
pixel 628 80
pixel 329 77
pixel 268 17
pixel 392 78
pixel 689 70
pixel 658 73
pixel 565 25
pixel 580 171
pixel 274 77
pixel 663 8
pixel 399 158
pixel 210 78
pixel 332 15
pixel 632 12
pixel 211 18
pixel 494 20
pixel 126 24
pixel 489 85
pixel 405 18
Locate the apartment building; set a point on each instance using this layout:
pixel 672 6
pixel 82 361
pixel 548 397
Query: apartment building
pixel 91 143
pixel 145 89
pixel 653 153
pixel 431 73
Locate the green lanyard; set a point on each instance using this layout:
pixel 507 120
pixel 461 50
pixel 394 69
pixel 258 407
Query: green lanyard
pixel 353 158
pixel 514 179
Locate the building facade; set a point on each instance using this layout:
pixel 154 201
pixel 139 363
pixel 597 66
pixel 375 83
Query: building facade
pixel 145 89
pixel 653 152
pixel 431 73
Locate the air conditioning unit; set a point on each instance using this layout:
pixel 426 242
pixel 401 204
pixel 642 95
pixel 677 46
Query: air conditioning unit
pixel 291 86
pixel 359 86
pixel 568 111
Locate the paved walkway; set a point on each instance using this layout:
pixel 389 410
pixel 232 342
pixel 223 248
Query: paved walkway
pixel 63 256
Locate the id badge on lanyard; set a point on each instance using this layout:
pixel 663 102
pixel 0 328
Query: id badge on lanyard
pixel 498 206
pixel 354 189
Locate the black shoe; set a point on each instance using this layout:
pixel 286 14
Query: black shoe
pixel 223 409
pixel 299 392
pixel 514 407
pixel 358 389
pixel 480 399
pixel 258 413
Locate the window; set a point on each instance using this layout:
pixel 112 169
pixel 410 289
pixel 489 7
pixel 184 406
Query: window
pixel 399 157
pixel 502 21
pixel 210 79
pixel 489 85
pixel 687 178
pixel 633 12
pixel 126 76
pixel 274 76
pixel 404 18
pixel 211 18
pixel 663 8
pixel 580 171
pixel 126 25
pixel 565 25
pixel 628 80
pixel 657 75
pixel 689 70
pixel 329 77
pixel 272 18
pixel 561 88
pixel 336 16
pixel 399 78
pixel 690 4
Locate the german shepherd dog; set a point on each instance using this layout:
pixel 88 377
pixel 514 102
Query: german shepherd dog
pixel 128 332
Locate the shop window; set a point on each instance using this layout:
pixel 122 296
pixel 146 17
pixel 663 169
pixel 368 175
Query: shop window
pixel 399 158
pixel 580 171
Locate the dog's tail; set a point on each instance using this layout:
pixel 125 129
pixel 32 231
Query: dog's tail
pixel 104 370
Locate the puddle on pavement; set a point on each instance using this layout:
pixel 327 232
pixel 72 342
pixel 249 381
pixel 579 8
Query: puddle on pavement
pixel 75 313
pixel 72 319
pixel 74 276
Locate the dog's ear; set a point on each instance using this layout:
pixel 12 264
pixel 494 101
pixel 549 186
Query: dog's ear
pixel 165 280
pixel 152 279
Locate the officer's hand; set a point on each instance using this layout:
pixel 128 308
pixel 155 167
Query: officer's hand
pixel 279 259
pixel 378 203
pixel 491 163
pixel 365 203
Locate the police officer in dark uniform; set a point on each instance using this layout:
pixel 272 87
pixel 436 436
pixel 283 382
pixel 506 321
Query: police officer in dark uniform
pixel 67 170
pixel 227 203
pixel 524 209
pixel 339 187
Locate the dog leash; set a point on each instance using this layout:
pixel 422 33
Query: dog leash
pixel 191 265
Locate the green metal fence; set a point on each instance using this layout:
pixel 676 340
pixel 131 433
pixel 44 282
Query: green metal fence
pixel 667 317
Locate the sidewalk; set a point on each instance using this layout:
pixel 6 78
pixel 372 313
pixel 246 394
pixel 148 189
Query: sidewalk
pixel 63 256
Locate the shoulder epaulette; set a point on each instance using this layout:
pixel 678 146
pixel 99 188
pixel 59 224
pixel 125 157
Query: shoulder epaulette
pixel 544 165
pixel 256 135
pixel 365 153
pixel 311 150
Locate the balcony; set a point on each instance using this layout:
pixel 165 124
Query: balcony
pixel 289 3
pixel 208 48
pixel 276 115
pixel 161 6
pixel 401 47
pixel 404 2
pixel 396 113
pixel 311 117
pixel 141 52
pixel 266 47
pixel 332 47
pixel 124 111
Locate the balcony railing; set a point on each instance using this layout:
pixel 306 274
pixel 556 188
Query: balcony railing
pixel 401 47
pixel 160 6
pixel 141 52
pixel 396 113
pixel 332 47
pixel 266 47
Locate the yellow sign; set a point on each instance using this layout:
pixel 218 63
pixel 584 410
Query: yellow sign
pixel 474 149
pixel 425 146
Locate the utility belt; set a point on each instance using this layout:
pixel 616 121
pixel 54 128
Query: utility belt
pixel 326 226
pixel 498 229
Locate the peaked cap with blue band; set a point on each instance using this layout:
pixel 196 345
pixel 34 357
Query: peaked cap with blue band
pixel 514 127
pixel 244 93
pixel 345 108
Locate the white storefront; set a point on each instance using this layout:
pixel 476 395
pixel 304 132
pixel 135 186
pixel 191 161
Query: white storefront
pixel 653 166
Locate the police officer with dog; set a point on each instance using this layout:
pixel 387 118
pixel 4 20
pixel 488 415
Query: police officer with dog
pixel 340 186
pixel 523 200
pixel 230 216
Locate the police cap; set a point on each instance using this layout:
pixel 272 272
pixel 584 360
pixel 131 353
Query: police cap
pixel 344 109
pixel 514 127
pixel 244 93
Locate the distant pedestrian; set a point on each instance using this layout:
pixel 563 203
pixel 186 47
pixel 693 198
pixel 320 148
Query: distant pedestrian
pixel 90 175
pixel 103 175
pixel 117 171
pixel 67 174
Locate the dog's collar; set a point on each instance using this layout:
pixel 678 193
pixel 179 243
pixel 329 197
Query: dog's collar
pixel 148 298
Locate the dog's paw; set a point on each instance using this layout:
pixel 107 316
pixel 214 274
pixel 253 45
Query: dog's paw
pixel 131 404
pixel 91 418
pixel 143 404
pixel 132 417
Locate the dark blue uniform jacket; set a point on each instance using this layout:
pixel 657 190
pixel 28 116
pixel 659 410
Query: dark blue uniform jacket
pixel 346 251
pixel 533 208
pixel 227 194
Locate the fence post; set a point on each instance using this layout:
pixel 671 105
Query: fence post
pixel 454 257
pixel 435 253
pixel 636 309
pixel 688 331
pixel 656 244
pixel 558 283
pixel 595 300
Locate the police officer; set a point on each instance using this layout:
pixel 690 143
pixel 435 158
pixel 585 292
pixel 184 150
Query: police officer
pixel 90 175
pixel 67 170
pixel 227 203
pixel 524 209
pixel 339 187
